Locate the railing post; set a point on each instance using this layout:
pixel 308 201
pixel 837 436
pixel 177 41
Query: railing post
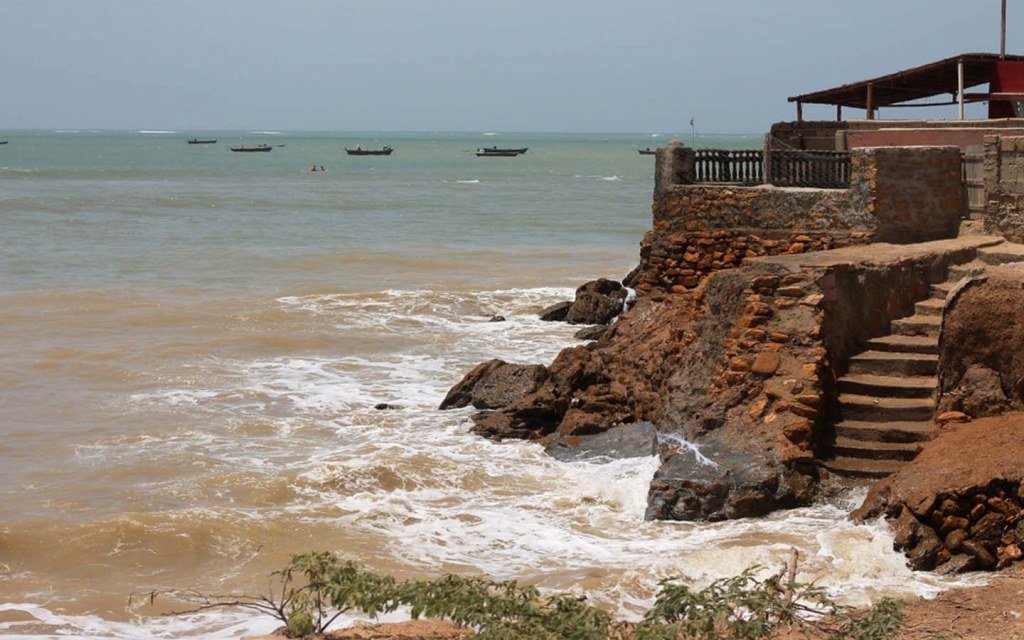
pixel 675 163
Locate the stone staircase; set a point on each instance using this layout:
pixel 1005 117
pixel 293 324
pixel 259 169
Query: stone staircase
pixel 887 399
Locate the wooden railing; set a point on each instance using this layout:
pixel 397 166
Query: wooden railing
pixel 742 166
pixel 822 169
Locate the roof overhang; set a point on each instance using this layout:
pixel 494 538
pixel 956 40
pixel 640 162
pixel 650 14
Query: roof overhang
pixel 933 79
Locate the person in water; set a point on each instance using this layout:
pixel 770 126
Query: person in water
pixel 322 169
pixel 313 168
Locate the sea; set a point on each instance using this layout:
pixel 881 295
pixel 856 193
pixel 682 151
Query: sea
pixel 193 343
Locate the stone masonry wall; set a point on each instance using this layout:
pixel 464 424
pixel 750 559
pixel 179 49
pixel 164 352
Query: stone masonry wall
pixel 914 194
pixel 1004 187
pixel 898 195
pixel 811 135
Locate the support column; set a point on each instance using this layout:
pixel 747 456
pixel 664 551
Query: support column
pixel 960 88
pixel 871 101
pixel 839 113
pixel 799 112
pixel 1002 34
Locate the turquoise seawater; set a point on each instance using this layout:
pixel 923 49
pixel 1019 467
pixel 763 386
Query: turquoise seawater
pixel 92 209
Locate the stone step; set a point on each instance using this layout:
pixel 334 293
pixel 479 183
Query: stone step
pixel 917 325
pixel 943 288
pixel 888 363
pixel 889 386
pixel 874 409
pixel 905 344
pixel 930 307
pixel 968 269
pixel 1002 253
pixel 863 467
pixel 850 448
pixel 885 432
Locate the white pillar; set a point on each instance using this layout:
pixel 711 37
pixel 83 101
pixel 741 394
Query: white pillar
pixel 960 88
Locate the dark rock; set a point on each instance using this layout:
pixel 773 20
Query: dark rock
pixel 507 384
pixel 597 302
pixel 384 406
pixel 495 384
pixel 955 539
pixel 983 558
pixel 989 528
pixel 723 482
pixel 633 441
pixel 556 312
pixel 592 333
pixel 497 319
pixel 461 395
pixel 959 563
pixel 921 556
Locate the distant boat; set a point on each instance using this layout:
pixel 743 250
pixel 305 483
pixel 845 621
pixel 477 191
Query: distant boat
pixel 4 141
pixel 647 152
pixel 359 151
pixel 198 141
pixel 495 151
pixel 262 147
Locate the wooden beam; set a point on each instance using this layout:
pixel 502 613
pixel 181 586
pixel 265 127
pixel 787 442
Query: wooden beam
pixel 871 101
pixel 799 112
pixel 839 113
pixel 960 88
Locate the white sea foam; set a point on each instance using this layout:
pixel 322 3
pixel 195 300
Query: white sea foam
pixel 432 496
pixel 156 131
pixel 267 133
pixel 468 181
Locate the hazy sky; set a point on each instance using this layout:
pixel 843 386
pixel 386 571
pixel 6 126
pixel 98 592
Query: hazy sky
pixel 461 65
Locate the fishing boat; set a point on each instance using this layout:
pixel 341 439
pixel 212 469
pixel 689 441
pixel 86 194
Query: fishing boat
pixel 502 152
pixel 198 141
pixel 359 151
pixel 496 153
pixel 261 147
pixel 646 152
pixel 4 141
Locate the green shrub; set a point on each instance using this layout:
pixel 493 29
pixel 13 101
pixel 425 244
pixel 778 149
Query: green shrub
pixel 315 588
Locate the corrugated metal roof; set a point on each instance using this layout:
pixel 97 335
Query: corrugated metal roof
pixel 932 79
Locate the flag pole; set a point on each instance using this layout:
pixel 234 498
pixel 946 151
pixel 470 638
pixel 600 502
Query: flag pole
pixel 1002 34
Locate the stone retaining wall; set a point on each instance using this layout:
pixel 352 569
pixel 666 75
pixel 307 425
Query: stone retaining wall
pixel 1004 186
pixel 898 195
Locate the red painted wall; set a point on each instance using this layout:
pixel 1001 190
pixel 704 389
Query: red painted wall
pixel 1006 76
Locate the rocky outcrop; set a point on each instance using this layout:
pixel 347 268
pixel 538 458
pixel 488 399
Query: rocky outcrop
pixel 494 384
pixel 556 312
pixel 959 506
pixel 981 369
pixel 634 441
pixel 596 302
pixel 723 480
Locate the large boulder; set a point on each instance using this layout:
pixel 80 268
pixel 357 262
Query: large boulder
pixel 495 384
pixel 632 441
pixel 721 480
pixel 597 302
pixel 556 312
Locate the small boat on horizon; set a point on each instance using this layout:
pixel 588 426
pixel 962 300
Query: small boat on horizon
pixel 501 153
pixel 198 141
pixel 647 152
pixel 4 141
pixel 359 151
pixel 261 147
